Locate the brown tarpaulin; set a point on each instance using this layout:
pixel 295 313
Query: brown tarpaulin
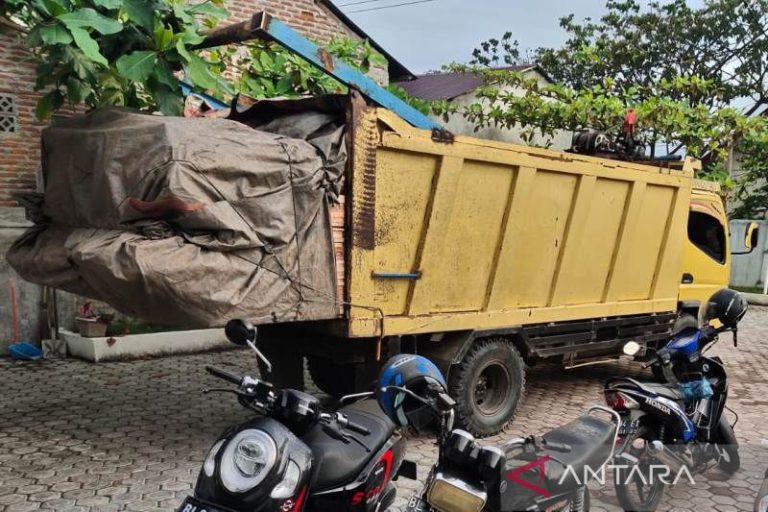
pixel 189 222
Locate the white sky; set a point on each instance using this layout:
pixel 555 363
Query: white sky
pixel 425 36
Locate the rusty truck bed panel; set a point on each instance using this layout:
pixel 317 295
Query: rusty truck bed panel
pixel 478 234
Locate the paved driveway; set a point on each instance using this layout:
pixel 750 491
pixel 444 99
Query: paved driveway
pixel 131 436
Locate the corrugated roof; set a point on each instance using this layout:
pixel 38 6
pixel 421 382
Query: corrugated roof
pixel 446 86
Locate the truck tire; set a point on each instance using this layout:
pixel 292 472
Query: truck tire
pixel 487 386
pixel 684 321
pixel 332 378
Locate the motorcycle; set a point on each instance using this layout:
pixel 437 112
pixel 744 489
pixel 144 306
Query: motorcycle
pixel 671 431
pixel 549 472
pixel 761 502
pixel 295 456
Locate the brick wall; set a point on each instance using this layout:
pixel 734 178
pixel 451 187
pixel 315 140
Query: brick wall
pixel 20 151
pixel 307 16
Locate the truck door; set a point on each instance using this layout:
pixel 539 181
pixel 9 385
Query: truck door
pixel 706 257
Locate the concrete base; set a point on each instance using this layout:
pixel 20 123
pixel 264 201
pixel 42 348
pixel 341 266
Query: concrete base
pixel 135 346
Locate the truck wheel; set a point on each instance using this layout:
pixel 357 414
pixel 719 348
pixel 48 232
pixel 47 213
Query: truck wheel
pixel 684 321
pixel 487 386
pixel 334 379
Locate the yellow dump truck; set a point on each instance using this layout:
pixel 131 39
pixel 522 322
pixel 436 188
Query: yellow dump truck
pixel 485 256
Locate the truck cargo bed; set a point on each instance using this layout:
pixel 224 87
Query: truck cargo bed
pixel 475 234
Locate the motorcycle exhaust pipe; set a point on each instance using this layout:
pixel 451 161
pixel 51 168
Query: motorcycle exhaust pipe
pixel 670 459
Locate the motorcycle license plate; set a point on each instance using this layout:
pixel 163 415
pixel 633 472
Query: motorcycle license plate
pixel 192 505
pixel 416 504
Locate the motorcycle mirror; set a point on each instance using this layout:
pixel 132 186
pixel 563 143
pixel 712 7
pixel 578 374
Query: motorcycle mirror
pixel 240 332
pixel 631 348
pixel 243 333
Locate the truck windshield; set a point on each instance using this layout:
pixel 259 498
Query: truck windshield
pixel 706 233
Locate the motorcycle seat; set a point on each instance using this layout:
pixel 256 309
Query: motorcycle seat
pixel 591 441
pixel 336 463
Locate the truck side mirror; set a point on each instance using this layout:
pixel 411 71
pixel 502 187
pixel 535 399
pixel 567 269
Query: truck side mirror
pixel 750 238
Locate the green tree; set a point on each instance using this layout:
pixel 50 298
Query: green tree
pixel 116 52
pixel 723 42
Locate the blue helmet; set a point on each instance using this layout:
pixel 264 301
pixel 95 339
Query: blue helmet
pixel 417 374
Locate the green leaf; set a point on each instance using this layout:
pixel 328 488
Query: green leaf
pixel 88 45
pixel 35 37
pixel 89 18
pixel 163 74
pixel 200 74
pixel 168 101
pixel 163 38
pixel 182 49
pixel 55 7
pixel 208 9
pixel 136 66
pixel 48 103
pixel 108 4
pixel 191 37
pixel 141 13
pixel 55 34
pixel 77 91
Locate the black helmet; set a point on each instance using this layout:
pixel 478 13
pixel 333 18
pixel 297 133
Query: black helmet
pixel 728 306
pixel 417 374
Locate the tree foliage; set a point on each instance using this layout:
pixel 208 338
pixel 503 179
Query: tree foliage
pixel 724 43
pixel 696 77
pixel 116 52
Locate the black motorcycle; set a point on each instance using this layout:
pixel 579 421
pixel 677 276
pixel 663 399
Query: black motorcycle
pixel 536 473
pixel 671 431
pixel 294 456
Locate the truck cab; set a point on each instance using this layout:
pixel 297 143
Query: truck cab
pixel 706 251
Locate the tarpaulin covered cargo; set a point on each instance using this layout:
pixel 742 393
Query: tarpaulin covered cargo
pixel 190 221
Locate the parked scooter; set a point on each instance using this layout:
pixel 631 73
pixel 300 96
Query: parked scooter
pixel 536 473
pixel 677 429
pixel 295 456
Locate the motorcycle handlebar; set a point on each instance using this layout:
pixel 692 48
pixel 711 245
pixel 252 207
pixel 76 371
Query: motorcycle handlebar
pixel 225 375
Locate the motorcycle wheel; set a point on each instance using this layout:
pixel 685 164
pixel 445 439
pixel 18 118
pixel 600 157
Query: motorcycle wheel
pixel 728 446
pixel 636 490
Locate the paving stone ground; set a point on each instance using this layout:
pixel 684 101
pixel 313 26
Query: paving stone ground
pixel 131 436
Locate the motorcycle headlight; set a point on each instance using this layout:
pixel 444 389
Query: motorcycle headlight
pixel 449 494
pixel 247 460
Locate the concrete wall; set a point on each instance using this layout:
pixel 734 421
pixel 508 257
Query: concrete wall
pixel 460 126
pixel 748 269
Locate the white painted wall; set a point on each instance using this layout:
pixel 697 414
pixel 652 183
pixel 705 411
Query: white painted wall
pixel 460 126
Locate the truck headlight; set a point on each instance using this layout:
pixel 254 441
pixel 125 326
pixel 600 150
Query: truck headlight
pixel 247 460
pixel 449 494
